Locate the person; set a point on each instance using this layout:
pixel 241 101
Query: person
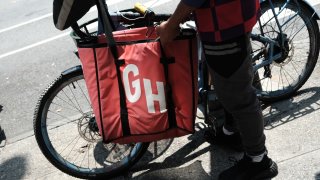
pixel 224 27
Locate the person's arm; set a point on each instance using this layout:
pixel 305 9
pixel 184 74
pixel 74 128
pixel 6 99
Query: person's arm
pixel 168 30
pixel 180 14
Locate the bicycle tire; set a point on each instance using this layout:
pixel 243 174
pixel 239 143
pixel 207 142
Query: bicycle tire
pixel 50 133
pixel 286 65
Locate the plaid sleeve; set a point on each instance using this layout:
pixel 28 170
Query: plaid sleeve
pixel 194 3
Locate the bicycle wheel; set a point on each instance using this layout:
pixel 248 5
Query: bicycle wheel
pixel 67 134
pixel 286 74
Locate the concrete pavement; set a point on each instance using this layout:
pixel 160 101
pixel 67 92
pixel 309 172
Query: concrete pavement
pixel 293 141
pixel 292 132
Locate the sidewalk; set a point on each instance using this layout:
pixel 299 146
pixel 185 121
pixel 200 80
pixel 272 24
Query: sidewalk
pixel 293 141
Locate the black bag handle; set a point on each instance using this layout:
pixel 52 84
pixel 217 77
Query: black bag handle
pixel 108 29
pixel 165 61
pixel 107 26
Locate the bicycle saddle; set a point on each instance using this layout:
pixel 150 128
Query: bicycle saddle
pixel 68 12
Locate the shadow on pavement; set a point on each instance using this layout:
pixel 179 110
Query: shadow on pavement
pixel 194 171
pixel 275 114
pixel 183 163
pixel 282 112
pixel 155 150
pixel 188 154
pixel 14 168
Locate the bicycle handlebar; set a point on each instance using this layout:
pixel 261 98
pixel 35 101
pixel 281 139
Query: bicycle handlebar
pixel 139 16
pixel 129 16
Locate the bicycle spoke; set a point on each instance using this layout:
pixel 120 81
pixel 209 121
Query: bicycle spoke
pixel 294 67
pixel 288 75
pixel 84 95
pixel 53 103
pixel 298 65
pixel 300 43
pixel 83 159
pixel 80 151
pixel 62 116
pixel 68 102
pixel 287 26
pixel 74 141
pixel 279 81
pixel 267 88
pixel 74 97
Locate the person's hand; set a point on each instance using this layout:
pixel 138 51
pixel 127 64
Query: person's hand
pixel 166 32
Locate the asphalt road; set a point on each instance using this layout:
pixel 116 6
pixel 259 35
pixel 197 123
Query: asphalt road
pixel 33 53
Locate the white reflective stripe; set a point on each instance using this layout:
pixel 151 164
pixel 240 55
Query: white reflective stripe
pixel 224 52
pixel 220 47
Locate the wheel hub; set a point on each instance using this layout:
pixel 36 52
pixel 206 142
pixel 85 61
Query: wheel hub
pixel 93 124
pixel 286 50
pixel 88 128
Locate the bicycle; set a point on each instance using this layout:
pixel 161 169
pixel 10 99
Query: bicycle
pixel 274 49
pixel 64 123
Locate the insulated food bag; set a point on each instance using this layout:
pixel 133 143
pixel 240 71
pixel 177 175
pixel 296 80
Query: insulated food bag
pixel 146 92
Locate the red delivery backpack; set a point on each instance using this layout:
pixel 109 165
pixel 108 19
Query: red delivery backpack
pixel 141 92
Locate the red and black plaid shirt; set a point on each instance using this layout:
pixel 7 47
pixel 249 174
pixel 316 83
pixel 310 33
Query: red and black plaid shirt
pixel 221 20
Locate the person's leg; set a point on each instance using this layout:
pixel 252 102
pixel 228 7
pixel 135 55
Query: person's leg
pixel 229 123
pixel 227 135
pixel 231 67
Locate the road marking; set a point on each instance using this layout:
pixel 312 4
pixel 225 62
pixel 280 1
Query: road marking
pixel 110 3
pixel 25 23
pixel 34 45
pixel 152 3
